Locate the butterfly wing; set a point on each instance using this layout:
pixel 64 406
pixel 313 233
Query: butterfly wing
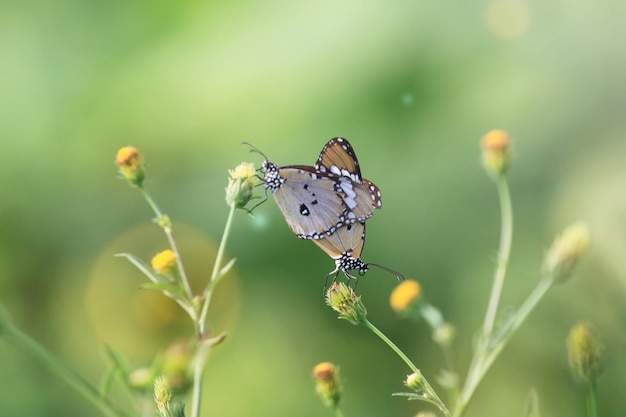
pixel 310 202
pixel 361 196
pixel 345 247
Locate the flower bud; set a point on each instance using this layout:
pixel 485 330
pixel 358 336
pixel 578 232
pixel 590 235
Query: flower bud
pixel 176 366
pixel 131 165
pixel 164 262
pixel 495 152
pixel 327 383
pixel 162 395
pixel 241 183
pixel 566 251
pixel 344 301
pixel 142 378
pixel 584 351
pixel 405 297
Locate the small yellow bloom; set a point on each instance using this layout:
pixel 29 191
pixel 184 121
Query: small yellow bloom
pixel 405 296
pixel 241 183
pixel 584 351
pixel 162 394
pixel 344 301
pixel 496 152
pixel 327 384
pixel 566 251
pixel 164 262
pixel 131 165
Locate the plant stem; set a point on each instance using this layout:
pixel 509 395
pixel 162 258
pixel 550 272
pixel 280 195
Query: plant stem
pixel 170 238
pixel 592 398
pixel 338 412
pixel 201 323
pixel 215 275
pixel 479 364
pixel 26 344
pixel 390 344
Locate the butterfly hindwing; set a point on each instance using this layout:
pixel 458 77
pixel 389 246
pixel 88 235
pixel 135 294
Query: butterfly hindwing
pixel 345 247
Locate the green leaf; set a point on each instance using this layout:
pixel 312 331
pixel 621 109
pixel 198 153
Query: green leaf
pixel 141 265
pixel 227 267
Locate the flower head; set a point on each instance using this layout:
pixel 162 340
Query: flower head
pixel 162 395
pixel 496 152
pixel 164 262
pixel 176 366
pixel 584 351
pixel 405 297
pixel 131 165
pixel 566 251
pixel 344 301
pixel 241 183
pixel 327 383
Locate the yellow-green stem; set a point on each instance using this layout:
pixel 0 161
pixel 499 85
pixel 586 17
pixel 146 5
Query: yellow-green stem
pixel 392 345
pixel 208 293
pixel 25 344
pixel 592 399
pixel 170 238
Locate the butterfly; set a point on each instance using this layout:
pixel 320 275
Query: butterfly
pixel 317 200
pixel 345 247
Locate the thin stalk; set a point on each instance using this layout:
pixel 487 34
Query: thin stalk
pixel 390 344
pixel 592 398
pixel 338 412
pixel 25 344
pixel 170 238
pixel 478 365
pixel 201 323
pixel 216 269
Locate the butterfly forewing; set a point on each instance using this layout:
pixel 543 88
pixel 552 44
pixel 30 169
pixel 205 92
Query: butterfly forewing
pixel 310 202
pixel 338 158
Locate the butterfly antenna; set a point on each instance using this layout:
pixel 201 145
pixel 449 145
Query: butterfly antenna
pixel 255 149
pixel 398 275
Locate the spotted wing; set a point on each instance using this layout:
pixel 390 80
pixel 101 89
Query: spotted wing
pixel 345 246
pixel 362 196
pixel 311 202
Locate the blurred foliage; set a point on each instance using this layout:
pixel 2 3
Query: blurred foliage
pixel 412 85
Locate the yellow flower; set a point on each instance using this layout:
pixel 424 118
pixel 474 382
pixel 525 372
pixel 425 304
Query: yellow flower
pixel 495 151
pixel 327 383
pixel 164 262
pixel 584 351
pixel 162 394
pixel 566 251
pixel 344 301
pixel 241 183
pixel 131 165
pixel 405 296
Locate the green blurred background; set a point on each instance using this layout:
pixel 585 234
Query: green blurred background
pixel 412 84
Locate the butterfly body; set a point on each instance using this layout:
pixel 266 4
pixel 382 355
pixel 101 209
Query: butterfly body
pixel 345 247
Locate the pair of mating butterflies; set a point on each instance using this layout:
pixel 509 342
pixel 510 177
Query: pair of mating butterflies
pixel 327 203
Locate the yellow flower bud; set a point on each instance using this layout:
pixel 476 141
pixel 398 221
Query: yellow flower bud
pixel 131 165
pixel 344 301
pixel 584 351
pixel 406 296
pixel 162 395
pixel 241 183
pixel 566 251
pixel 495 151
pixel 327 383
pixel 164 262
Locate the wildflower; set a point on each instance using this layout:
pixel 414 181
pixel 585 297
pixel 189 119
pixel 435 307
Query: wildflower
pixel 566 251
pixel 584 351
pixel 345 302
pixel 405 297
pixel 495 151
pixel 416 381
pixel 241 184
pixel 162 395
pixel 131 165
pixel 327 383
pixel 164 262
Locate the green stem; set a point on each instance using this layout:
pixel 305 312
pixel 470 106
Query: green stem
pixel 592 399
pixel 215 275
pixel 201 359
pixel 479 364
pixel 390 344
pixel 504 251
pixel 338 412
pixel 25 344
pixel 170 238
